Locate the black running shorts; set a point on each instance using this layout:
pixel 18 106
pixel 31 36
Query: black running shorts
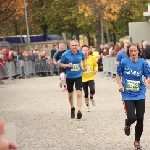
pixel 70 84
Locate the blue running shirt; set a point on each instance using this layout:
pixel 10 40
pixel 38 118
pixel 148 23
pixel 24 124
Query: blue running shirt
pixel 131 72
pixel 69 57
pixel 121 55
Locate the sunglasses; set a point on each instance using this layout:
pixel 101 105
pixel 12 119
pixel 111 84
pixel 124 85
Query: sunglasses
pixel 74 45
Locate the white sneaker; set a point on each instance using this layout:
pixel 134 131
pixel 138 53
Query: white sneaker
pixel 88 108
pixel 93 102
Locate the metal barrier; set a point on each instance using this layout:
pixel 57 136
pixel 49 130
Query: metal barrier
pixel 109 66
pixel 27 68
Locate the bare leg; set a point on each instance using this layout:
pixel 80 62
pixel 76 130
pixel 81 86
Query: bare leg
pixel 86 101
pixel 70 95
pixel 79 99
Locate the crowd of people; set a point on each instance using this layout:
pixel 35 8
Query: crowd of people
pixel 78 67
pixel 34 56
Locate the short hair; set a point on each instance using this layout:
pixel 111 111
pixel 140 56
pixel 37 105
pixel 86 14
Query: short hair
pixel 127 42
pixel 106 46
pixel 138 48
pixel 54 45
pixel 61 44
pixel 145 43
pixel 85 46
pixel 74 41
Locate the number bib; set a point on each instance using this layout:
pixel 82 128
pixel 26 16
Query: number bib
pixel 75 67
pixel 133 85
pixel 89 69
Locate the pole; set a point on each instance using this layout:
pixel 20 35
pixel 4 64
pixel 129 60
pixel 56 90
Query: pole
pixel 26 20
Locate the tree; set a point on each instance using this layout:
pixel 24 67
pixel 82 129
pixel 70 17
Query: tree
pixel 102 10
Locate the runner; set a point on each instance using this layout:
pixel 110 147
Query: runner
pixel 122 53
pixel 56 60
pixel 71 60
pixel 88 76
pixel 133 90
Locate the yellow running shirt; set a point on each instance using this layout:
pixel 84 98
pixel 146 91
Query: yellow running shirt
pixel 92 66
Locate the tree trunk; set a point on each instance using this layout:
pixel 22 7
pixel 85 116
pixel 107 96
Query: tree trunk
pixel 98 28
pixel 44 28
pixel 16 28
pixel 88 38
pixel 102 32
pixel 114 35
pixel 107 34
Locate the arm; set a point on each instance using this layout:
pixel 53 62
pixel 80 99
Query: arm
pixel 146 73
pixel 83 60
pixel 95 66
pixel 84 63
pixel 118 76
pixel 55 57
pixel 118 59
pixel 63 61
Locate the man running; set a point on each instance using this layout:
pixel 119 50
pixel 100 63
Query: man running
pixel 57 58
pixel 71 60
pixel 88 76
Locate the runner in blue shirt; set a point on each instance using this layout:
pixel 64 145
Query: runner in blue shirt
pixel 133 90
pixel 71 60
pixel 122 54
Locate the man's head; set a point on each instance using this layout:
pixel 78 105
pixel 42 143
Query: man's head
pixel 145 44
pixel 74 44
pixel 61 47
pixel 101 46
pixel 54 47
pixel 126 44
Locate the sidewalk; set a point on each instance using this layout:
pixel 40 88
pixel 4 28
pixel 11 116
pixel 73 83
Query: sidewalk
pixel 41 113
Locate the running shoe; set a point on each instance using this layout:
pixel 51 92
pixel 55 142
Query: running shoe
pixel 126 128
pixel 73 113
pixel 87 108
pixel 137 145
pixel 93 102
pixel 79 115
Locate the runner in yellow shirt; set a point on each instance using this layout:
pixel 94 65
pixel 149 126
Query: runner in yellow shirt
pixel 88 76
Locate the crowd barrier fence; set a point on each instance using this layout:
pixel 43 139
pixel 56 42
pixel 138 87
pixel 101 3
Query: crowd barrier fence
pixel 27 68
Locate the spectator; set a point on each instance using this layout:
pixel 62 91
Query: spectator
pixel 145 50
pixel 52 52
pixel 106 51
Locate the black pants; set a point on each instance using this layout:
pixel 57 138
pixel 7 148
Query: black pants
pixel 135 110
pixel 91 85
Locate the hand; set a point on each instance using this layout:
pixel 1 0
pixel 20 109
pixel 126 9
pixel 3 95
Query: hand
pixel 94 72
pixel 121 88
pixel 84 68
pixel 4 144
pixel 55 63
pixel 70 65
pixel 146 83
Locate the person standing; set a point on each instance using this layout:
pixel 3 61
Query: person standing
pixel 133 90
pixel 88 76
pixel 71 60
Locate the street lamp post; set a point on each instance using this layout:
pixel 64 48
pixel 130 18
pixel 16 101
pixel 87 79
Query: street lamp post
pixel 26 20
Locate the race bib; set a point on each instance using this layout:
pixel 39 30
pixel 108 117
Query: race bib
pixel 133 85
pixel 89 69
pixel 75 67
